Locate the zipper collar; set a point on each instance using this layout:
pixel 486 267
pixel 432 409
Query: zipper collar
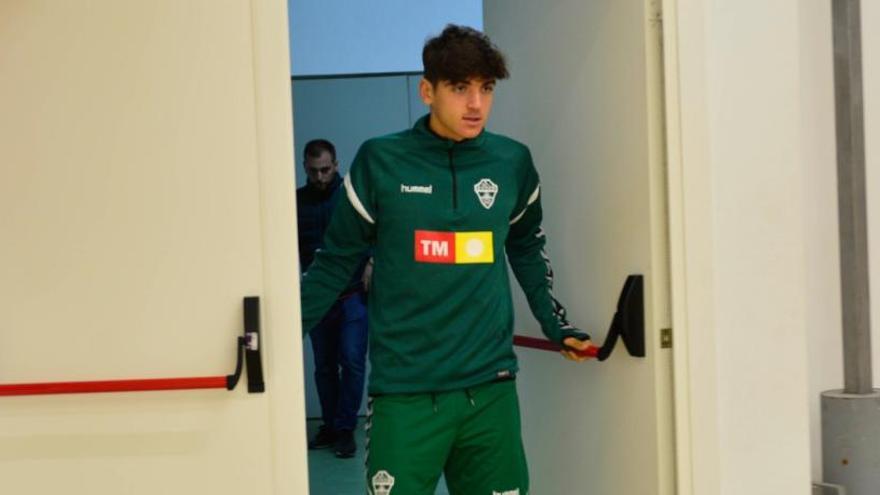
pixel 434 140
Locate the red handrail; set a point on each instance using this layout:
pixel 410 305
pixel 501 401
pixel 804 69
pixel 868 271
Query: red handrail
pixel 101 386
pixel 248 352
pixel 536 343
pixel 205 382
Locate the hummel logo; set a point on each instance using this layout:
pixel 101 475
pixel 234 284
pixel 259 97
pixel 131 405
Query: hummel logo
pixel 417 189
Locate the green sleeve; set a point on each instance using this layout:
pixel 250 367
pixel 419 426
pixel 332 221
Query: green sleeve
pixel 351 232
pixel 531 266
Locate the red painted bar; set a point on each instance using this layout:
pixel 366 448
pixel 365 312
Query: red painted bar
pixel 208 382
pixel 536 343
pixel 103 386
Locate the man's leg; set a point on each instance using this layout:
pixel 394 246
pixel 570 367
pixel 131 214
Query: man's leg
pixel 325 345
pixel 352 358
pixel 408 441
pixel 488 456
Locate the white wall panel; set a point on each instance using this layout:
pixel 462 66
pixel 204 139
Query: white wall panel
pixel 144 178
pixel 741 265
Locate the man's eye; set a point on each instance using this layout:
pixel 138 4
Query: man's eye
pixel 460 88
pixel 488 89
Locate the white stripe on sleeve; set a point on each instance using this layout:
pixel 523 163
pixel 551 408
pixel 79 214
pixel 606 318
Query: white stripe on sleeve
pixel 532 199
pixel 355 201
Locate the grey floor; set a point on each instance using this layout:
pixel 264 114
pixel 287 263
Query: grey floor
pixel 331 476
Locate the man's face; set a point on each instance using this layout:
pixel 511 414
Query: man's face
pixel 458 110
pixel 321 170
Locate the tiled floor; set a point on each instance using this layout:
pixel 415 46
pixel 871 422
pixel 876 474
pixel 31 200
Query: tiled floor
pixel 331 476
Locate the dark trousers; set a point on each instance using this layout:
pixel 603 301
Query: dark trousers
pixel 340 346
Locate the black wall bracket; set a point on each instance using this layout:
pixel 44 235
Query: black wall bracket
pixel 249 350
pixel 629 320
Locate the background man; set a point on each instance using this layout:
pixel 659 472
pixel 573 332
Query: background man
pixel 339 341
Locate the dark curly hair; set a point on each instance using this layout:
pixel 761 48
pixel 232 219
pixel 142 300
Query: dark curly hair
pixel 315 147
pixel 461 53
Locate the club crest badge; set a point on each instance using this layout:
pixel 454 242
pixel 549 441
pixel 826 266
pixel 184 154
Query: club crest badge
pixel 382 483
pixel 486 191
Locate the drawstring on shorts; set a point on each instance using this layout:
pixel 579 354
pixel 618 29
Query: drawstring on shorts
pixel 467 392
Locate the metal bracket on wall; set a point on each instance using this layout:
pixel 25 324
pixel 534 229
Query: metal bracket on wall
pixel 628 325
pixel 249 350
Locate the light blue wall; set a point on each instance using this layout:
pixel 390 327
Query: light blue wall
pixel 348 111
pixel 416 107
pixel 369 36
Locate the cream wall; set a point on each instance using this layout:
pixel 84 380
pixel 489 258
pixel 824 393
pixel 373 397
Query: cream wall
pixel 740 263
pixel 145 188
pixel 825 346
pixel 871 50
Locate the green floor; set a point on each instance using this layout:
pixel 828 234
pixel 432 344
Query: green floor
pixel 331 476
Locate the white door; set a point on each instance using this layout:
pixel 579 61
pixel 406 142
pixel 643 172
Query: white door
pixel 145 188
pixel 585 95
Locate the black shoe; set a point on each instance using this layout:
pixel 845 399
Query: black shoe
pixel 326 437
pixel 345 446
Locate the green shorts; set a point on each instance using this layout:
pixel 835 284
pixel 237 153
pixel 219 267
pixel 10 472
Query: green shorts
pixel 472 436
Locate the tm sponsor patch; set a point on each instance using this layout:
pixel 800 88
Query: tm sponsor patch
pixel 453 247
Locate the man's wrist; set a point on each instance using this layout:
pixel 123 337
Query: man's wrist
pixel 577 334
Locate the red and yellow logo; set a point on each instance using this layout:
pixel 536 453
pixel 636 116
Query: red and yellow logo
pixel 454 247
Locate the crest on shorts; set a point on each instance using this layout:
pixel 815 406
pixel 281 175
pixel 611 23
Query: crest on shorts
pixel 486 191
pixel 382 483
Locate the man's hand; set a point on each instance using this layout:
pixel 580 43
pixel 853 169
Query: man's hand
pixel 368 275
pixel 580 345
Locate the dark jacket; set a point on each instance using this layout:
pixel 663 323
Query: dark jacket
pixel 314 209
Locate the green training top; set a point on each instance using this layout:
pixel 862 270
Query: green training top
pixel 440 216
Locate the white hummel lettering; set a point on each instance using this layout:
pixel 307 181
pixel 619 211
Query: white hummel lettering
pixel 509 492
pixel 417 189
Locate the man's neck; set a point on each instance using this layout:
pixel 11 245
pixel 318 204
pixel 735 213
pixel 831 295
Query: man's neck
pixel 433 127
pixel 326 189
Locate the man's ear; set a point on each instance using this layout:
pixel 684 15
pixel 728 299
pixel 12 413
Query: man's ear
pixel 426 91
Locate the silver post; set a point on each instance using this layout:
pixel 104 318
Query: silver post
pixel 851 417
pixel 849 106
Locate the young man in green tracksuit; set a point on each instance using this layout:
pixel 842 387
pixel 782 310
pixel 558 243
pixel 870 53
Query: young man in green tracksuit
pixel 441 204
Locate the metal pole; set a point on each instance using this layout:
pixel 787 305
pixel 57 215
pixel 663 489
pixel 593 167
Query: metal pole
pixel 849 106
pixel 851 417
